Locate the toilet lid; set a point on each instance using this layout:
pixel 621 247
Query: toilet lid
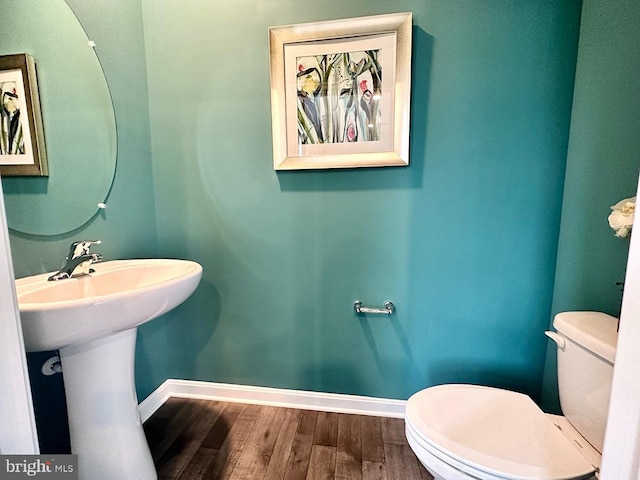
pixel 496 431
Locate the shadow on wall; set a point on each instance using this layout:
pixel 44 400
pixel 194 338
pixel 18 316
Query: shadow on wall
pixel 170 345
pixel 398 178
pixel 464 371
pixel 326 364
pixel 409 364
pixel 331 369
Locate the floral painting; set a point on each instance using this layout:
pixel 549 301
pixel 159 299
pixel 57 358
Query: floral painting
pixel 22 149
pixel 11 137
pixel 339 97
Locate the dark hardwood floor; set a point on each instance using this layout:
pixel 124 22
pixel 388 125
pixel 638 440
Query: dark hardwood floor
pixel 203 439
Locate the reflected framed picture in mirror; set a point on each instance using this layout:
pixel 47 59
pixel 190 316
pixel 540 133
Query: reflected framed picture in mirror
pixel 340 92
pixel 22 148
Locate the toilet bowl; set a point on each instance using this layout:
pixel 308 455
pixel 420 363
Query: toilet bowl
pixel 473 432
pixel 466 432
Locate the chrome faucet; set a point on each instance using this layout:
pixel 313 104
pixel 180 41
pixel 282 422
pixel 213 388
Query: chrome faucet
pixel 79 260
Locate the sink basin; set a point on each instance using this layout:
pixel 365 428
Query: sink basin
pixel 119 295
pixel 91 320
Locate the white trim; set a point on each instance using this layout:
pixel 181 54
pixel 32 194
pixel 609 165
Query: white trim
pixel 325 402
pixel 17 421
pixel 621 455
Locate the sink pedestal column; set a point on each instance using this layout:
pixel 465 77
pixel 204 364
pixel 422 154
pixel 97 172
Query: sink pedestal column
pixel 104 421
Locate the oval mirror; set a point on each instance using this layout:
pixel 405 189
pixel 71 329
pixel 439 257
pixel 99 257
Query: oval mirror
pixel 78 118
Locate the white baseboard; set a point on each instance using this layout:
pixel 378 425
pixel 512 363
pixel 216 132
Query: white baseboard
pixel 325 402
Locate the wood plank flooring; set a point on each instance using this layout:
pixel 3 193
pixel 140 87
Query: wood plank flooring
pixel 203 439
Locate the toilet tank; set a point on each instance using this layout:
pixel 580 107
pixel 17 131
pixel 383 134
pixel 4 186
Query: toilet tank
pixel 585 370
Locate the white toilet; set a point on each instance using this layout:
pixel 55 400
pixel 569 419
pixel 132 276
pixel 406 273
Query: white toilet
pixel 465 432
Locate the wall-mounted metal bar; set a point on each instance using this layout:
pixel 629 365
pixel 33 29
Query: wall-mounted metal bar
pixel 388 309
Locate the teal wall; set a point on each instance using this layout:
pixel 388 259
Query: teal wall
pixel 602 165
pixel 463 240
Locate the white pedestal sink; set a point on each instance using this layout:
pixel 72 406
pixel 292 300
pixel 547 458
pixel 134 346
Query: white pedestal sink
pixel 92 321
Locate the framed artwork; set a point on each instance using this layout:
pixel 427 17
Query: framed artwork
pixel 340 93
pixel 22 149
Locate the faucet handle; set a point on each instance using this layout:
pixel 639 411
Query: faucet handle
pixel 79 260
pixel 81 247
pixel 84 268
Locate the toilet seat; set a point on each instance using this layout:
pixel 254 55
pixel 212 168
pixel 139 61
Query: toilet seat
pixel 490 433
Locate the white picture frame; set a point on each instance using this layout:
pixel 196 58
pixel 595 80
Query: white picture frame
pixel 340 93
